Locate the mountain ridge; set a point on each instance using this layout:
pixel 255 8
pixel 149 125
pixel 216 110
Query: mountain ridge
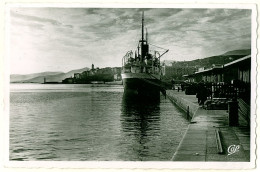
pixel 21 77
pixel 204 62
pixel 238 52
pixel 39 77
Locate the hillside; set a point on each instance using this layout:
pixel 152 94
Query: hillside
pixel 238 52
pixel 50 76
pixel 176 69
pixel 187 66
pixel 17 77
pixel 209 61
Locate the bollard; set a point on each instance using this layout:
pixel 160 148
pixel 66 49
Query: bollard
pixel 188 112
pixel 233 113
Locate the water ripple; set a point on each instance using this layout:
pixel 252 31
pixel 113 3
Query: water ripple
pixel 80 122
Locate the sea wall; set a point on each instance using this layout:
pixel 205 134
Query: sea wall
pixel 185 102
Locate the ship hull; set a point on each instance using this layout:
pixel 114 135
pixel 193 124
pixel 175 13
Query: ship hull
pixel 141 84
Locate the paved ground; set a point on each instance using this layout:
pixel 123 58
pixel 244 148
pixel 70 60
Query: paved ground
pixel 200 143
pixel 184 101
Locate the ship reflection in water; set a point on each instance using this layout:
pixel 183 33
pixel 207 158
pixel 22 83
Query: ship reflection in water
pixel 85 123
pixel 140 120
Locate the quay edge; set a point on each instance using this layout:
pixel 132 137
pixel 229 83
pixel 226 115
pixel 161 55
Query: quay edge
pixel 199 142
pixel 187 105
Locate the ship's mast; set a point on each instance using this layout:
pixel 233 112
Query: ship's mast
pixel 144 45
pixel 143 28
pixel 142 41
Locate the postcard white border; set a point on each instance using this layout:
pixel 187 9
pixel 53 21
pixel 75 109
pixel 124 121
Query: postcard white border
pixel 127 164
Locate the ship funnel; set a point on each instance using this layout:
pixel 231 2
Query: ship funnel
pixel 146 36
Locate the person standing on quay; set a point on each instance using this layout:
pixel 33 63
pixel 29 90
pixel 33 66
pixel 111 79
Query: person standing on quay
pixel 201 93
pixel 204 94
pixel 173 86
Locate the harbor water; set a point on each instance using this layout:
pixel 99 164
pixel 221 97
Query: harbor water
pixel 90 123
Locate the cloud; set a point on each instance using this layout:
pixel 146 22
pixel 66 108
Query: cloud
pixel 36 26
pixel 71 38
pixel 34 18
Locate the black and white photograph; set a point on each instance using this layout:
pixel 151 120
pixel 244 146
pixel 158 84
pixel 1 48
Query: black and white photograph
pixel 131 84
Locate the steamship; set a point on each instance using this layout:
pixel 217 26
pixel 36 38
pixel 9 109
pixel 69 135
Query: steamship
pixel 142 70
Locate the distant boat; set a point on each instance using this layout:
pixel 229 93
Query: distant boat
pixel 142 70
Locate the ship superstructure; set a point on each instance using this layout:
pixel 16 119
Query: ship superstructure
pixel 142 71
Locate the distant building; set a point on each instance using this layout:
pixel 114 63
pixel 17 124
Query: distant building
pixel 85 74
pixel 77 75
pixel 117 77
pixel 116 70
pixel 104 75
pixel 68 81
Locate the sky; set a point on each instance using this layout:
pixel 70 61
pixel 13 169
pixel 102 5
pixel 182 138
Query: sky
pixel 64 39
